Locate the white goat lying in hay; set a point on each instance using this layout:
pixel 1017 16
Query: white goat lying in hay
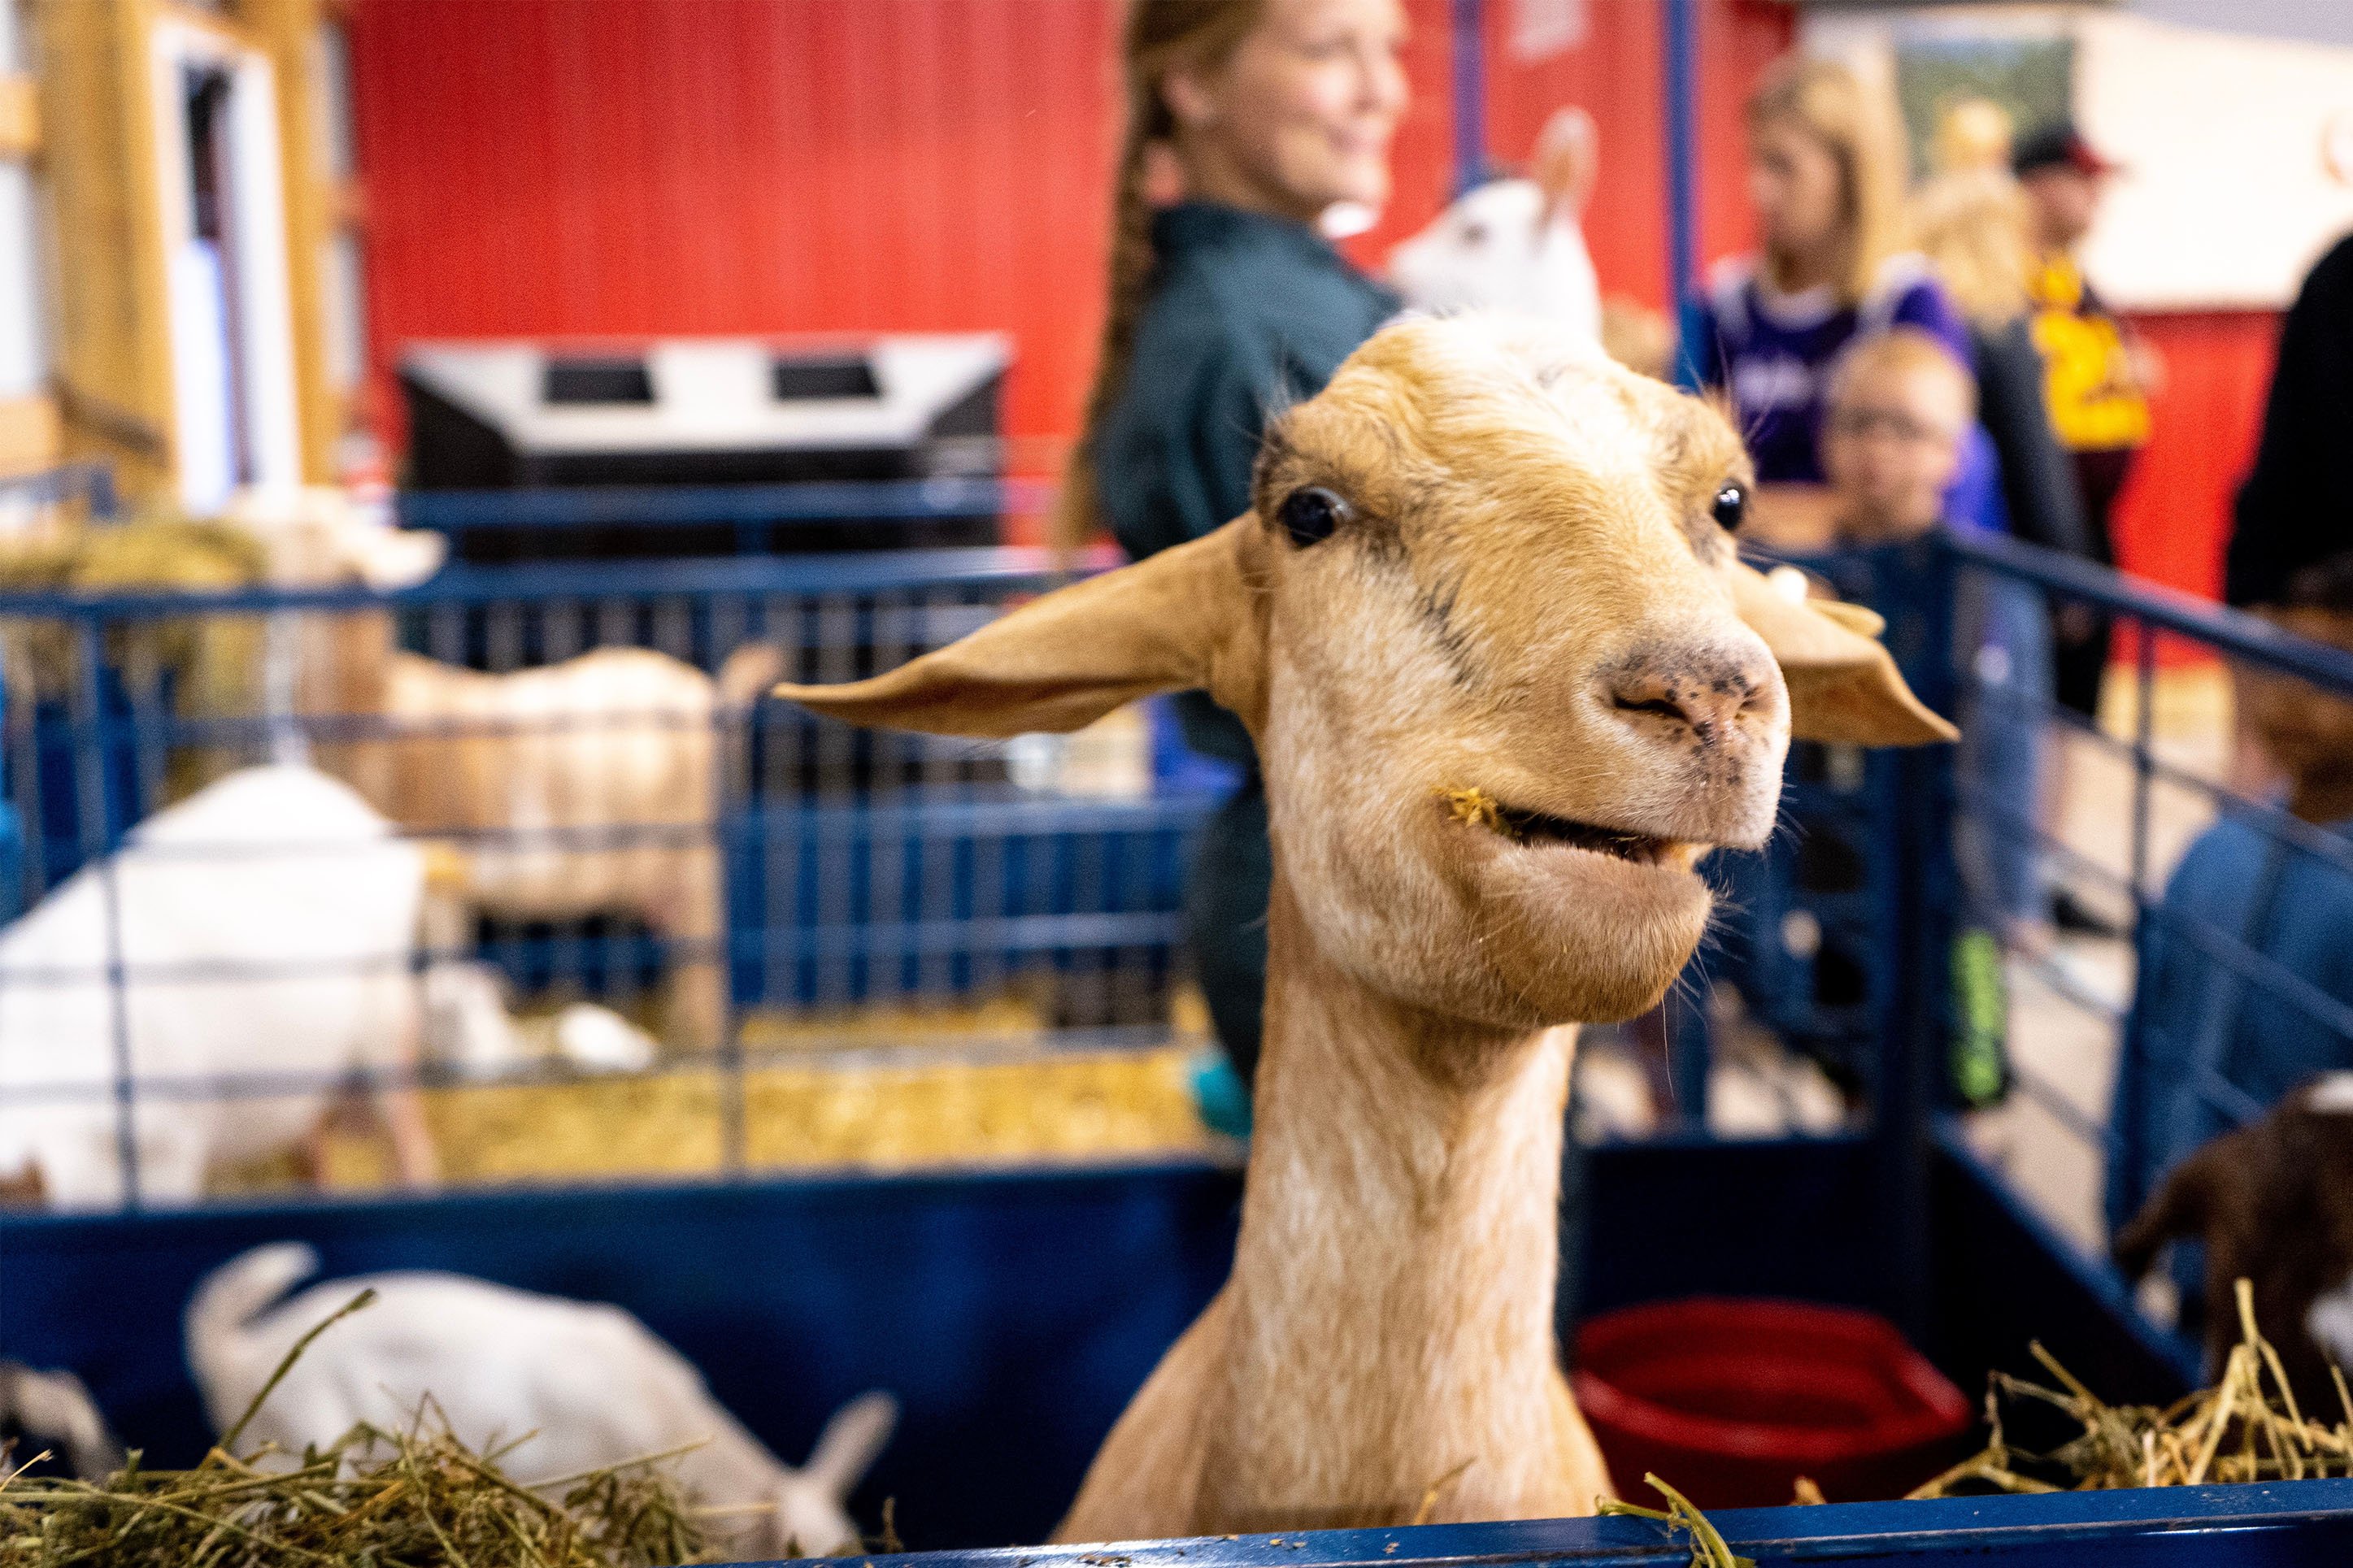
pixel 268 927
pixel 580 788
pixel 573 1385
pixel 1509 682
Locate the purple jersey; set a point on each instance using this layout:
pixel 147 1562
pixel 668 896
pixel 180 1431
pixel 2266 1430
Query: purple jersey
pixel 1772 351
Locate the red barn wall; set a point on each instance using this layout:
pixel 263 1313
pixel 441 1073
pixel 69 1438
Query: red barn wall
pixel 618 168
pixel 622 167
pixel 2175 513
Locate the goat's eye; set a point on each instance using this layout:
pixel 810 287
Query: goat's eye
pixel 1731 507
pixel 1310 515
pixel 1474 233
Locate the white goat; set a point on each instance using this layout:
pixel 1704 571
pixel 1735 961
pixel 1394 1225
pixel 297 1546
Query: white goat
pixel 51 1412
pixel 265 928
pixel 1515 245
pixel 573 1385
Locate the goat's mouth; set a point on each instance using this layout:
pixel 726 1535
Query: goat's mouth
pixel 1523 825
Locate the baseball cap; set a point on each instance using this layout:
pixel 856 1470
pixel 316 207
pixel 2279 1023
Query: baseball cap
pixel 2058 145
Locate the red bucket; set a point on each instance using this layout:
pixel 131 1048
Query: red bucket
pixel 1729 1400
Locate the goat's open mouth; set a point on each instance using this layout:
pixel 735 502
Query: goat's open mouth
pixel 1522 826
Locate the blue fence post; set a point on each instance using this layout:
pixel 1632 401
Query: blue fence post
pixel 1916 1022
pixel 1682 53
pixel 1470 95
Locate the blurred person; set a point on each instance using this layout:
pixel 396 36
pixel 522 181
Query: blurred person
pixel 1902 411
pixel 2096 374
pixel 1826 177
pixel 1971 133
pixel 1899 412
pixel 2291 512
pixel 2287 515
pixel 1261 115
pixel 1974 224
pixel 2242 881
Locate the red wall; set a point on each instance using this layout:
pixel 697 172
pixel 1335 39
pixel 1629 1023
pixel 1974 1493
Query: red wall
pixel 1619 74
pixel 2175 513
pixel 639 166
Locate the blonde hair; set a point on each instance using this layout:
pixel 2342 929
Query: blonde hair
pixel 1858 126
pixel 1971 133
pixel 1160 36
pixel 1901 350
pixel 1973 226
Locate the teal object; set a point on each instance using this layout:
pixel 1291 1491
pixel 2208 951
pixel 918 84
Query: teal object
pixel 1219 1096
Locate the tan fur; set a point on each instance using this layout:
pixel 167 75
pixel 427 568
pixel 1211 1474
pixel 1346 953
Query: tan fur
pixel 583 787
pixel 1528 614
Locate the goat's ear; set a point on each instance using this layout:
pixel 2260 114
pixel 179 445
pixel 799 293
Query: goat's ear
pixel 1190 616
pixel 1843 686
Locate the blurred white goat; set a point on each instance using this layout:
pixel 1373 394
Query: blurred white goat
pixel 51 1412
pixel 573 1385
pixel 265 928
pixel 1515 246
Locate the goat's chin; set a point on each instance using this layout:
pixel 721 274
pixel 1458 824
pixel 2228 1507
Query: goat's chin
pixel 1577 937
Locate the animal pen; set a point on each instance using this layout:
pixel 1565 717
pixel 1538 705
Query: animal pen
pixel 904 918
pixel 947 1141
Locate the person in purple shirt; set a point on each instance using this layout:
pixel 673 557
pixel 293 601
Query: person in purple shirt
pixel 1825 176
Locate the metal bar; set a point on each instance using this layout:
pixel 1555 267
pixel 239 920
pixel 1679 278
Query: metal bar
pixel 1005 569
pixel 2227 630
pixel 454 512
pixel 1470 83
pixel 1681 50
pixel 97 847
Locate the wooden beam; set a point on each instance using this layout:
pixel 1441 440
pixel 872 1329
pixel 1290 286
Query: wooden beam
pixel 29 436
pixel 20 116
pixel 110 355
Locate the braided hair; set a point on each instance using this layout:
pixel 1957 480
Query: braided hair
pixel 1160 36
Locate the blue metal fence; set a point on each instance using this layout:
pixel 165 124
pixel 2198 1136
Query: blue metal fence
pixel 885 867
pixel 857 867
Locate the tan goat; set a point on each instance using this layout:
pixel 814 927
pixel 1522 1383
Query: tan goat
pixel 583 788
pixel 578 788
pixel 1509 682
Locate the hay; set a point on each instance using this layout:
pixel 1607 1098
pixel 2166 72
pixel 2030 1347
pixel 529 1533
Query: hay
pixel 875 1111
pixel 384 1500
pixel 2239 1430
pixel 1474 807
pixel 1708 1548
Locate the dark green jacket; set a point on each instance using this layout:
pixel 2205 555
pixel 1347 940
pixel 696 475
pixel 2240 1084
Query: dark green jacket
pixel 1249 314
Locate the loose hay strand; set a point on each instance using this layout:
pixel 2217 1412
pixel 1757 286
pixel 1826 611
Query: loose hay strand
pixel 229 1437
pixel 2237 1430
pixel 1708 1547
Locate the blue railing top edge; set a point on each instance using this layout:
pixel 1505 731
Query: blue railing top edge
pixel 818 501
pixel 473 1204
pixel 1009 567
pixel 2230 630
pixel 1956 1526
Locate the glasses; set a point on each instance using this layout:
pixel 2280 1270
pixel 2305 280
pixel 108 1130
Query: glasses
pixel 1861 424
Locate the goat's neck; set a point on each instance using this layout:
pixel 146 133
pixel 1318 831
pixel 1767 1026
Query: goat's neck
pixel 1392 1293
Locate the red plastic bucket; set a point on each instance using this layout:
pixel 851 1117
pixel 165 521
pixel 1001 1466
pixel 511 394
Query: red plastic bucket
pixel 1731 1400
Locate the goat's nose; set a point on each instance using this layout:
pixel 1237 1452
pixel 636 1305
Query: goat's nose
pixel 1706 694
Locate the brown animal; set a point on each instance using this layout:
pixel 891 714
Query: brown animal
pixel 1509 682
pixel 2272 1203
pixel 579 788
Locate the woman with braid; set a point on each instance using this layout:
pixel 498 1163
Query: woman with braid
pixel 1225 306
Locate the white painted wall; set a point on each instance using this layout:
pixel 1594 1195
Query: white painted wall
pixel 23 366
pixel 2230 193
